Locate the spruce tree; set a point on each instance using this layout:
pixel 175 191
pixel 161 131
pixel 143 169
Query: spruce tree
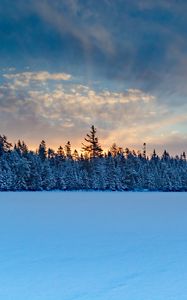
pixel 93 148
pixel 68 150
pixel 42 150
pixel 5 146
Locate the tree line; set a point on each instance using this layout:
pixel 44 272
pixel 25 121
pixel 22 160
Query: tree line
pixel 117 170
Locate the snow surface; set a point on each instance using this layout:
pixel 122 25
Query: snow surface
pixel 93 246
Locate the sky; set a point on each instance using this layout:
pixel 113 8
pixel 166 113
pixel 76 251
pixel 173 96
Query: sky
pixel 118 64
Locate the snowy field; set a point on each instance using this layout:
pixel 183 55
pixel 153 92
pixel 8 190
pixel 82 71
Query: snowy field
pixel 93 246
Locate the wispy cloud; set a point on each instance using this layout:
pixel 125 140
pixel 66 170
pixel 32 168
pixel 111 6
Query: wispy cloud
pixel 26 77
pixel 139 43
pixel 89 35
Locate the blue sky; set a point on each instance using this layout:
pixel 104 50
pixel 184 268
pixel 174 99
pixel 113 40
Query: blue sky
pixel 121 65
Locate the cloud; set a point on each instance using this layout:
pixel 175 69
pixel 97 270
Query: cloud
pixel 91 36
pixel 68 109
pixel 132 43
pixel 27 77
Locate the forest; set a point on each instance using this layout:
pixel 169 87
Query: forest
pixel 117 170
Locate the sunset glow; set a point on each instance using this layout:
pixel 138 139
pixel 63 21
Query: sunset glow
pixel 65 65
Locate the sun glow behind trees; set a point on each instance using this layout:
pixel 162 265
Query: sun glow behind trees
pixel 92 169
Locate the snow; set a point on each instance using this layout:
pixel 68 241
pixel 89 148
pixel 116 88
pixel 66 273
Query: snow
pixel 93 246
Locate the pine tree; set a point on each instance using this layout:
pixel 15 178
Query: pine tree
pixel 50 153
pixel 70 176
pixel 60 152
pixel 93 149
pixel 5 146
pixel 22 147
pixel 144 150
pixel 75 155
pixel 110 179
pixel 42 150
pixel 20 169
pixel 48 180
pixel 35 179
pixel 6 176
pixel 68 150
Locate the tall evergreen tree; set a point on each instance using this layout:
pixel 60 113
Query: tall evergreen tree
pixel 60 152
pixel 5 146
pixel 93 148
pixel 42 150
pixel 68 150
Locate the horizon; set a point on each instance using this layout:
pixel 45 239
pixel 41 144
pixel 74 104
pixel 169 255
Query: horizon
pixel 69 64
pixel 133 147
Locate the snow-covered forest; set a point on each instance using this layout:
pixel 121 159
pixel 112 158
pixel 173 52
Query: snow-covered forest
pixel 118 169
